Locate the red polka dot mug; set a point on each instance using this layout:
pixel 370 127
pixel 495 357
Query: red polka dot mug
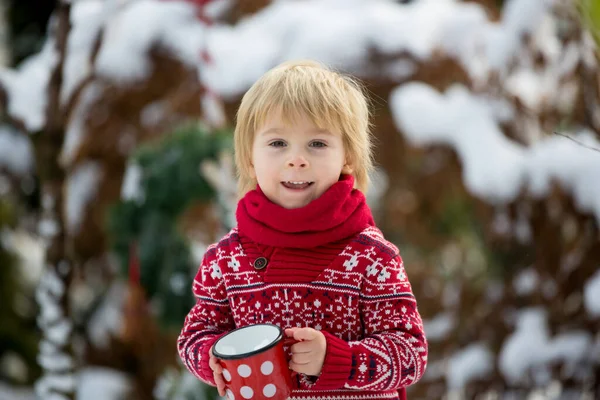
pixel 254 363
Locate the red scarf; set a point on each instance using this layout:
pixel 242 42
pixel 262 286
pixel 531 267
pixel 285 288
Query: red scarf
pixel 337 214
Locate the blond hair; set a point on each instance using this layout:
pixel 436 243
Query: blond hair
pixel 331 100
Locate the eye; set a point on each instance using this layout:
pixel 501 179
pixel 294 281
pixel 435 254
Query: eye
pixel 318 144
pixel 277 143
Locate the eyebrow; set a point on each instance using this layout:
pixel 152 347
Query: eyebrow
pixel 278 131
pixel 271 130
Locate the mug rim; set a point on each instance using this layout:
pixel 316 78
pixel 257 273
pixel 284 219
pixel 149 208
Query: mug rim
pixel 248 353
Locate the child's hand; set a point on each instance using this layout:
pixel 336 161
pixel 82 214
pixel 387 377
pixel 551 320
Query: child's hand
pixel 217 373
pixel 309 354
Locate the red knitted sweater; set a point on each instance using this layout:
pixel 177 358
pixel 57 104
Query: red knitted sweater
pixel 339 276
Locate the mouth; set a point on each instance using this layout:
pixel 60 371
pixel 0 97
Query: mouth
pixel 296 185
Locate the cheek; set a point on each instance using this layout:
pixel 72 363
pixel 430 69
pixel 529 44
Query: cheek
pixel 261 168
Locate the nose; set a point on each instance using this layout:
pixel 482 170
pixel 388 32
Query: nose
pixel 297 161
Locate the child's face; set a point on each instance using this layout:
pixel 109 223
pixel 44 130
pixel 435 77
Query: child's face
pixel 296 163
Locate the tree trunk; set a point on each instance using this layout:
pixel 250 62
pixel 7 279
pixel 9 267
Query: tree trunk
pixel 56 353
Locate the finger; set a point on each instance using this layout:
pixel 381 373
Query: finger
pixel 289 332
pixel 305 333
pixel 303 347
pixel 301 359
pixel 220 382
pixel 307 369
pixel 215 365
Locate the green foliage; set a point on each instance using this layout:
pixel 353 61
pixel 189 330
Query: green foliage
pixel 590 13
pixel 18 333
pixel 170 183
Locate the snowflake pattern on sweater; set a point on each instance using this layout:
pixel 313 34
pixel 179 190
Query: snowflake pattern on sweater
pixel 362 302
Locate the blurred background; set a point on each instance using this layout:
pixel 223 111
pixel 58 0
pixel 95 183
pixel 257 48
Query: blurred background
pixel 116 173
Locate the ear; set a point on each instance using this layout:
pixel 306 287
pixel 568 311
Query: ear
pixel 347 168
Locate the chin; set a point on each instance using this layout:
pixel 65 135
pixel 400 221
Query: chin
pixel 293 205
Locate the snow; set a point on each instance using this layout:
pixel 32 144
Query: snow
pixel 11 393
pixel 82 185
pixel 55 361
pixel 213 111
pixel 576 169
pixel 60 382
pixel 145 24
pixel 87 18
pixel 496 168
pixel 591 295
pixel 106 322
pixel 98 383
pixel 93 383
pixel 530 347
pixel 281 31
pixel 16 152
pixel 570 348
pixel 493 166
pixel 60 332
pixel 526 281
pixel 437 328
pixel 51 283
pixel 48 227
pixel 473 362
pixel 526 347
pixel 290 30
pixel 25 85
pixel 131 188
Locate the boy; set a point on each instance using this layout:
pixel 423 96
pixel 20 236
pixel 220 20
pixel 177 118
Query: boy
pixel 306 254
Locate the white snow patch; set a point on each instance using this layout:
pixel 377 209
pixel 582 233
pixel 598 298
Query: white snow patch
pixel 591 295
pixel 15 393
pixel 493 166
pixel 147 24
pixel 26 87
pixel 526 281
pixel 439 327
pixel 530 346
pixel 96 383
pixel 16 152
pixel 473 362
pixel 496 168
pixel 60 382
pixel 108 319
pixel 526 347
pixel 87 19
pixel 132 187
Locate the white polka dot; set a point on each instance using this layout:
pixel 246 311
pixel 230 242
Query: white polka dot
pixel 246 392
pixel 230 395
pixel 244 371
pixel 226 375
pixel 269 390
pixel 266 368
